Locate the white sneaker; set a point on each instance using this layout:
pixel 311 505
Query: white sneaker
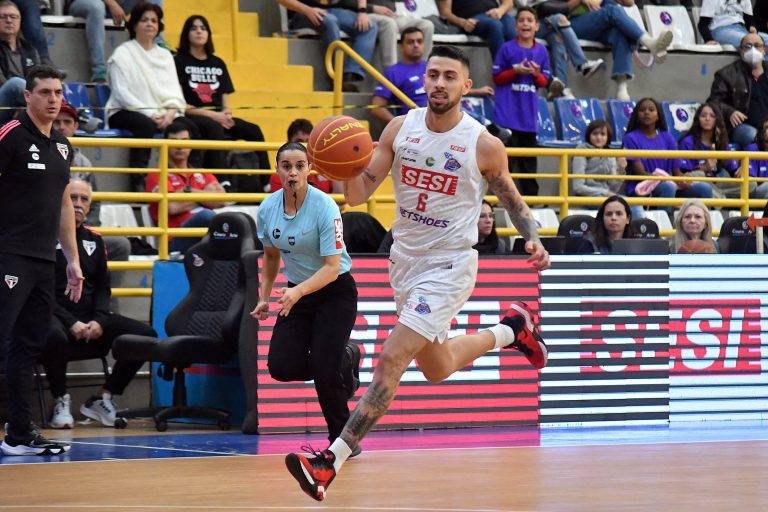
pixel 101 409
pixel 590 67
pixel 659 46
pixel 62 417
pixel 568 93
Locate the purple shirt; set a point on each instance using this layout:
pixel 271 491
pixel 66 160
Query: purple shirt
pixel 637 140
pixel 690 164
pixel 517 102
pixel 409 78
pixel 757 168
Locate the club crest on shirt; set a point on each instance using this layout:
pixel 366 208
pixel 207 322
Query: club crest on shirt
pixel 451 164
pixel 89 246
pixel 63 149
pixel 11 281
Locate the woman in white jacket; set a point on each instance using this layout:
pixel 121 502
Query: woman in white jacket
pixel 145 92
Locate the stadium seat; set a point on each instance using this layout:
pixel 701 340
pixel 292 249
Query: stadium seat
pixel 645 228
pixel 479 107
pixel 661 219
pixel 426 8
pixel 577 230
pixel 76 93
pixel 117 216
pixel 546 133
pixel 250 210
pixel 679 117
pixel 736 237
pixel 574 115
pixel 633 12
pixel 502 220
pixel 717 219
pixel 675 18
pixel 545 217
pixel 619 112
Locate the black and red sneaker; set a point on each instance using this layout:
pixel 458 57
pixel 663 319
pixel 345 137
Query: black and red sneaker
pixel 527 338
pixel 314 474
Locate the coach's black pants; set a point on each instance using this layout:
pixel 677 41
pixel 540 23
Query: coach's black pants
pixel 26 306
pixel 308 344
pixel 62 347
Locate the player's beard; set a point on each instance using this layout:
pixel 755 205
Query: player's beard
pixel 442 109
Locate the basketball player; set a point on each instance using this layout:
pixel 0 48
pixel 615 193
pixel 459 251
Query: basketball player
pixel 439 158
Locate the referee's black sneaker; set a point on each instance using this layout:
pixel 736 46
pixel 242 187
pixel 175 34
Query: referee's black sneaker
pixel 350 368
pixel 527 337
pixel 31 444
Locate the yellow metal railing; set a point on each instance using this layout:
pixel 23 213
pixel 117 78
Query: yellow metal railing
pixel 564 201
pixel 334 64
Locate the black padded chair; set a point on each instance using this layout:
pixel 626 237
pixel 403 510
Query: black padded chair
pixel 736 237
pixel 644 228
pixel 577 230
pixel 211 323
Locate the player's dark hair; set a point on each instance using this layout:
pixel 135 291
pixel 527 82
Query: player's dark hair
pixel 138 11
pixel 41 72
pixel 450 52
pixel 290 146
pixel 299 125
pixel 184 44
pixel 410 30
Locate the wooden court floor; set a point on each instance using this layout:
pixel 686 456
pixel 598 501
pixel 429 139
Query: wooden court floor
pixel 586 474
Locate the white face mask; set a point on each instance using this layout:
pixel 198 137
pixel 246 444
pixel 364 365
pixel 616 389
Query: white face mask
pixel 753 57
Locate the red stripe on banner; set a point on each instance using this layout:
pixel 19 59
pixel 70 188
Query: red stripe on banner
pixel 500 388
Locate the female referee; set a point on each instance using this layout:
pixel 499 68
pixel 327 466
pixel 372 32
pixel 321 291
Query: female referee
pixel 310 340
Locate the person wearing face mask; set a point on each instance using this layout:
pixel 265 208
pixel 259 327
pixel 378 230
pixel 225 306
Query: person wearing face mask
pixel 740 90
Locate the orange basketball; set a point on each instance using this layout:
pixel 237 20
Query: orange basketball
pixel 340 147
pixel 696 246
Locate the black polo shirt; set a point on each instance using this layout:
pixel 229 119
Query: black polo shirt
pixel 34 171
pixel 758 101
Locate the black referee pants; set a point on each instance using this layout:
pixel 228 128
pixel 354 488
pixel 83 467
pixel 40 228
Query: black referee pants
pixel 26 306
pixel 308 344
pixel 62 347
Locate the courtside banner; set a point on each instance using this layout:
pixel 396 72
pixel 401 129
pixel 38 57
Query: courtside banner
pixel 718 337
pixel 497 389
pixel 606 322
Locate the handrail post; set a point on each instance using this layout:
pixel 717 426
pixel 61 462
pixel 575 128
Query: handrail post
pixel 162 206
pixel 745 186
pixel 234 11
pixel 338 81
pixel 564 185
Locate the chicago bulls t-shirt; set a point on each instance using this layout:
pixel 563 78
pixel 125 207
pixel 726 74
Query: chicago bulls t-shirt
pixel 203 81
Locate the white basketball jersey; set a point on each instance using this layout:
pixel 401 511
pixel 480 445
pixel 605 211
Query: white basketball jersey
pixel 438 186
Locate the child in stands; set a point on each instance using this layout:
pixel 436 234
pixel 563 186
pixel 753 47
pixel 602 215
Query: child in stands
pixel 708 132
pixel 521 67
pixel 597 136
pixel 647 129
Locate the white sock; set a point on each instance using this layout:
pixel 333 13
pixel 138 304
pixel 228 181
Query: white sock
pixel 342 452
pixel 647 41
pixel 622 92
pixel 106 395
pixel 504 335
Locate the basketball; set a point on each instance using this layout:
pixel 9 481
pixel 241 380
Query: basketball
pixel 340 147
pixel 696 246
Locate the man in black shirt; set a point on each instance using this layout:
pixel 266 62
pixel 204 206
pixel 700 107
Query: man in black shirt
pixel 35 209
pixel 86 329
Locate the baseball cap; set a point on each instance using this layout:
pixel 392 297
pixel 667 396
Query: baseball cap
pixel 68 109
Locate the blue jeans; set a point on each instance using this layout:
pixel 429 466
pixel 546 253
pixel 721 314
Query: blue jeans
pixel 199 220
pixel 32 26
pixel 94 13
pixel 495 32
pixel 732 34
pixel 343 19
pixel 561 41
pixel 744 134
pixel 11 95
pixel 611 25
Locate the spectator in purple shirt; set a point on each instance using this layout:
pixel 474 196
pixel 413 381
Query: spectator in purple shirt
pixel 521 67
pixel 647 129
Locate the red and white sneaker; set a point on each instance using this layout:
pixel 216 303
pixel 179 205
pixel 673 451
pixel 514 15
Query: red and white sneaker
pixel 527 338
pixel 314 474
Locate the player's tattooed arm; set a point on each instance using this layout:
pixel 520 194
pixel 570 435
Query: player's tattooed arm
pixel 512 201
pixel 368 174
